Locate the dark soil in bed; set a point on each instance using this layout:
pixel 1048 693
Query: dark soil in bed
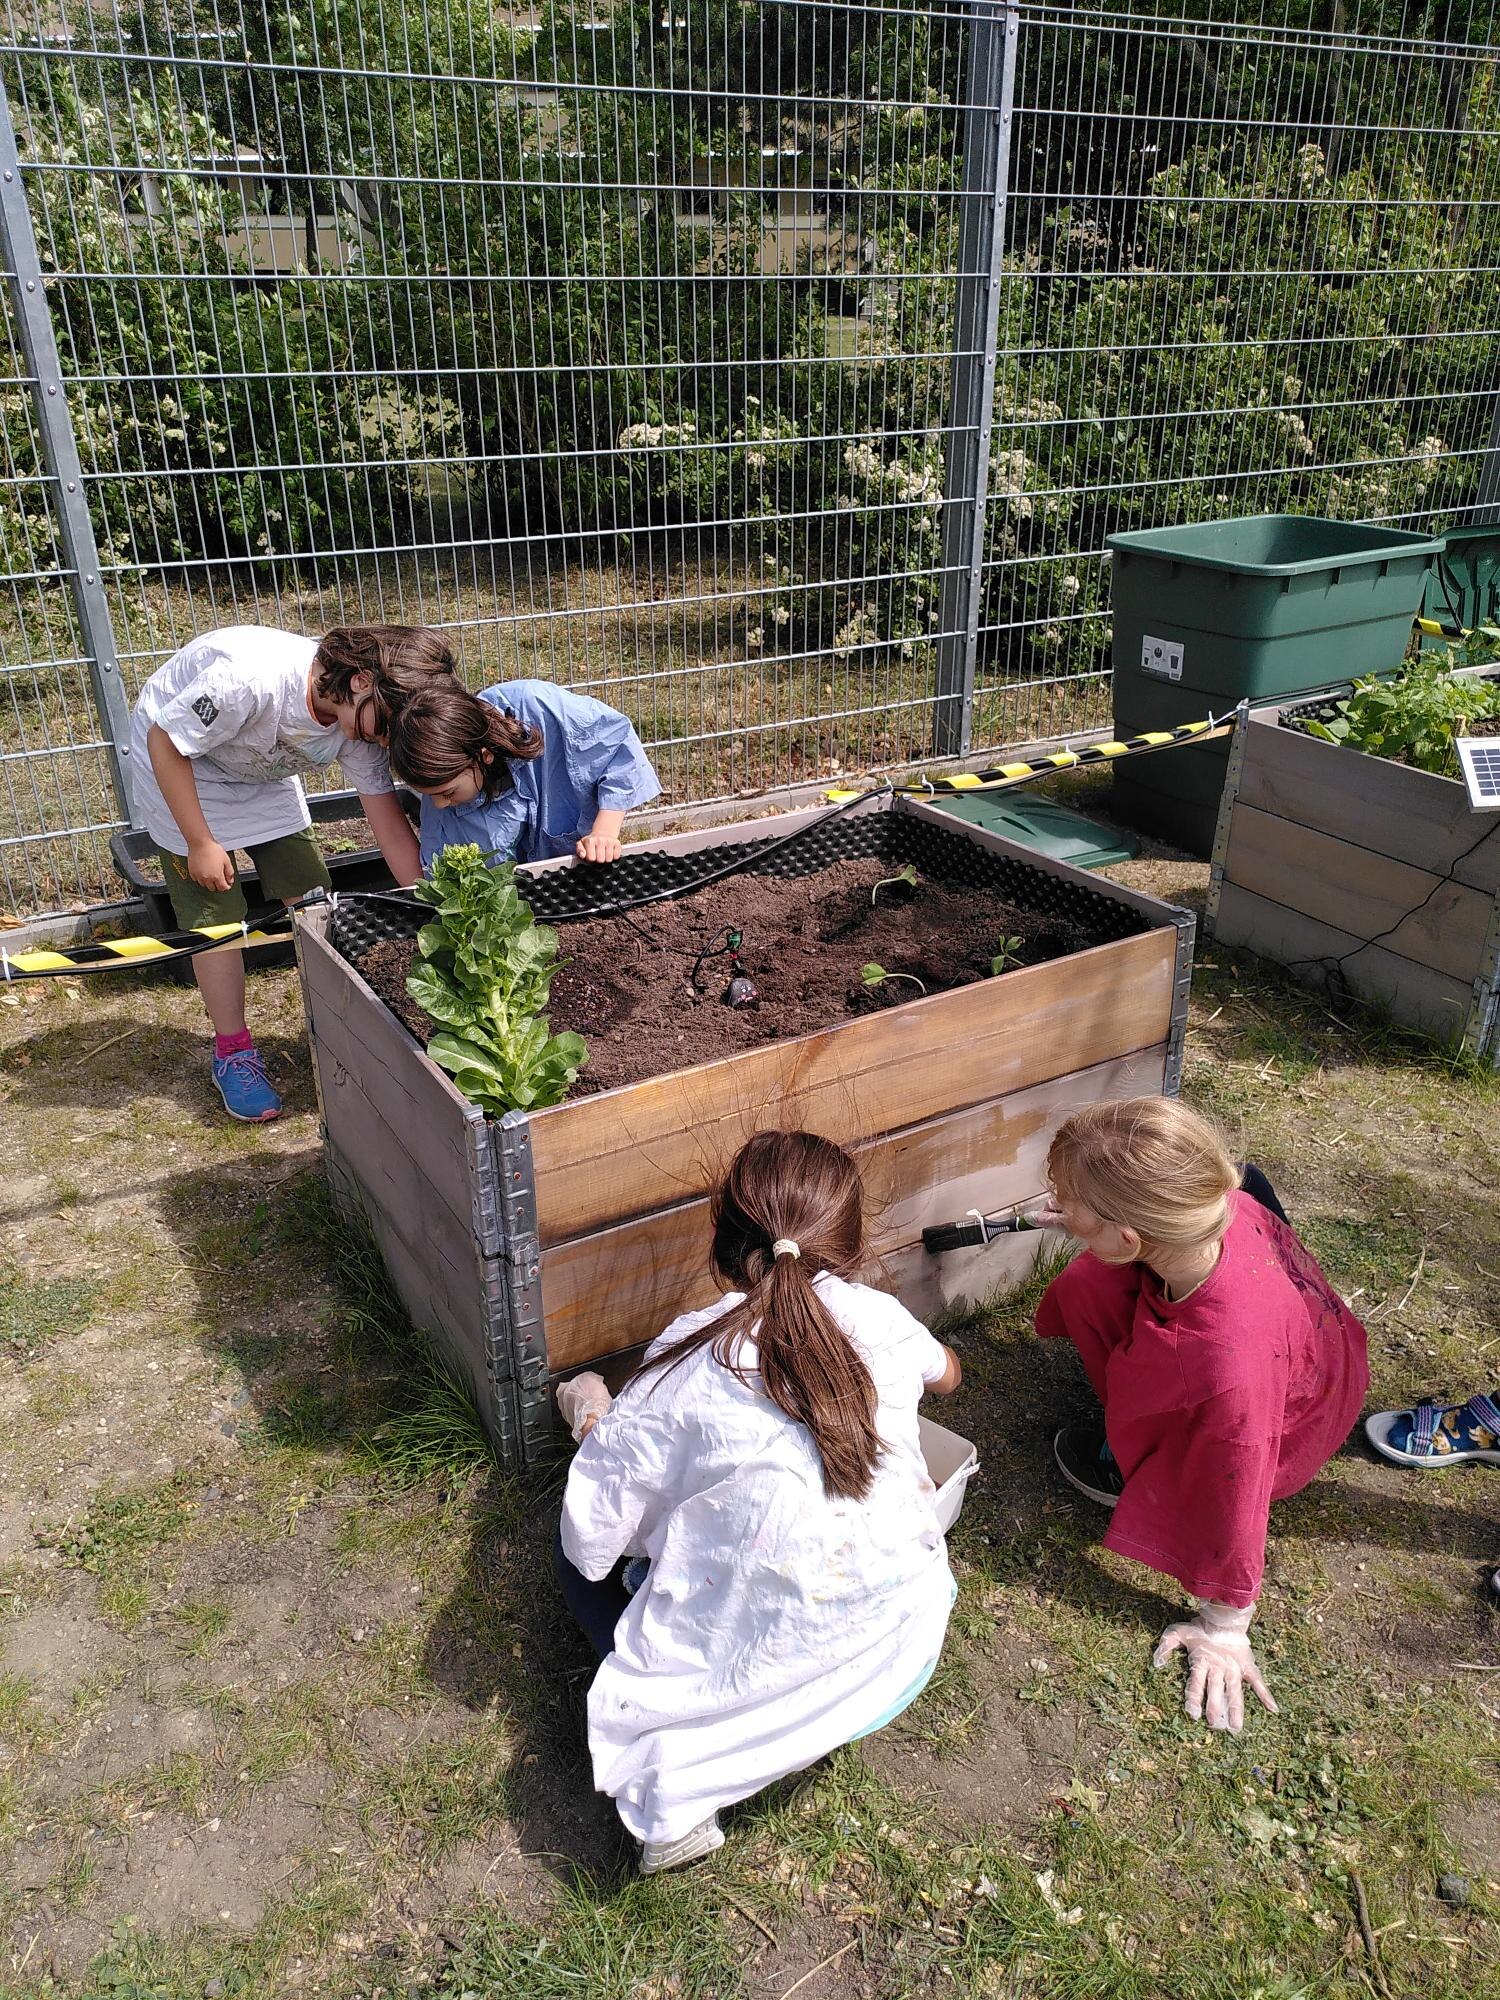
pixel 626 983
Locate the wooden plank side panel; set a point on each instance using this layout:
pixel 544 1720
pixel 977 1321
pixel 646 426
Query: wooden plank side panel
pixel 438 1276
pixel 364 1050
pixel 1415 995
pixel 622 1285
pixel 1415 914
pixel 417 1174
pixel 1410 815
pixel 632 1151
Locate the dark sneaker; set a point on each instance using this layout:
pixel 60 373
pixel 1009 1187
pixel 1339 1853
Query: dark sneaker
pixel 1085 1460
pixel 245 1087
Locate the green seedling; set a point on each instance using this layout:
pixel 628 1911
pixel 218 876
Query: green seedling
pixel 906 877
pixel 876 975
pixel 1008 955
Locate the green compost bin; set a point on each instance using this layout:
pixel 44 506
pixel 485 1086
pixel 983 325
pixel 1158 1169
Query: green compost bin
pixel 1464 588
pixel 1209 614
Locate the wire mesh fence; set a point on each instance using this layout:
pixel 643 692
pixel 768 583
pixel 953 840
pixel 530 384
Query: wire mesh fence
pixel 772 371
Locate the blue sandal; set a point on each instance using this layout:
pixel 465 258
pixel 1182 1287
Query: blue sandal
pixel 1434 1434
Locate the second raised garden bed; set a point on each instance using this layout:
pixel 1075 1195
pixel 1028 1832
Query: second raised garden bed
pixel 1361 876
pixel 535 1244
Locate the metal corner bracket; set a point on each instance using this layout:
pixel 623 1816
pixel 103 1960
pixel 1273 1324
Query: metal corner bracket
pixel 1182 996
pixel 1482 1028
pixel 1227 800
pixel 520 1262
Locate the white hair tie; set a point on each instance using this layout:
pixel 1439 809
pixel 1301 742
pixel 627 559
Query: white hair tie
pixel 784 1246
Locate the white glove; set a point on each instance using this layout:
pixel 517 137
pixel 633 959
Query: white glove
pixel 1220 1664
pixel 582 1401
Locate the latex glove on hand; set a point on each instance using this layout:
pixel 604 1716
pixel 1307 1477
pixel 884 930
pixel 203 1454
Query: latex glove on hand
pixel 1220 1664
pixel 582 1401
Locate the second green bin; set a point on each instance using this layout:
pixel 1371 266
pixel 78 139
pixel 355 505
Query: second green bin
pixel 1212 613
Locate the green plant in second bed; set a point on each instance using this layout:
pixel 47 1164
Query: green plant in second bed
pixel 1414 717
pixel 485 974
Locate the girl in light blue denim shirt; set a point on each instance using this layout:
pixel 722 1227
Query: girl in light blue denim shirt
pixel 524 771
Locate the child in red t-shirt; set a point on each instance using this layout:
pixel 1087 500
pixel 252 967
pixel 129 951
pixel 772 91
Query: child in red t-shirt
pixel 1229 1369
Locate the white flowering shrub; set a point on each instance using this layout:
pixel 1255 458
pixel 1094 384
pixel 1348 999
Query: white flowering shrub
pixel 1249 327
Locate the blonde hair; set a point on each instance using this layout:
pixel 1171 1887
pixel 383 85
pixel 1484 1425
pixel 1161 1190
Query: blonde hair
pixel 1147 1164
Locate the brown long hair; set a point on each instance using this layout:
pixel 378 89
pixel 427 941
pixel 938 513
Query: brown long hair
pixel 443 729
pixel 795 1185
pixel 395 661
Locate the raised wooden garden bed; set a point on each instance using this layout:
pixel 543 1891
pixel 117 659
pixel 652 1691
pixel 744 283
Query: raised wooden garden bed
pixel 1361 875
pixel 533 1244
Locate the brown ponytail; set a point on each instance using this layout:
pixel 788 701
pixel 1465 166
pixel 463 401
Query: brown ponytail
pixel 393 662
pixel 443 729
pixel 794 1185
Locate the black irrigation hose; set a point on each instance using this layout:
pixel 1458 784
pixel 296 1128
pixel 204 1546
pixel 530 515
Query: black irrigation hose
pixel 1335 966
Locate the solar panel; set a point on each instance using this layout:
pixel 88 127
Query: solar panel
pixel 1480 758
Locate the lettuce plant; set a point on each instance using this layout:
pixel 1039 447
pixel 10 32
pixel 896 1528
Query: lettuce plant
pixel 485 971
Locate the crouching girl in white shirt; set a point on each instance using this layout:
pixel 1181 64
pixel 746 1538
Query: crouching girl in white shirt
pixel 765 1464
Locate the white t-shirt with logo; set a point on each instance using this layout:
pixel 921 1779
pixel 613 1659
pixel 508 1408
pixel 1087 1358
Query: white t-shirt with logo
pixel 236 703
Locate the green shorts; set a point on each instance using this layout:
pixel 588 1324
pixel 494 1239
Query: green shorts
pixel 287 867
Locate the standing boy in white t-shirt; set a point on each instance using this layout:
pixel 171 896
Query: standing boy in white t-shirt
pixel 218 739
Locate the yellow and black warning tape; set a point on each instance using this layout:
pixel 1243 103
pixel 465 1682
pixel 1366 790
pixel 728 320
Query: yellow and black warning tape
pixel 1432 628
pixel 999 777
pixel 112 954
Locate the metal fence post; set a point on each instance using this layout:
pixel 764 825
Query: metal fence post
pixel 991 88
pixel 75 530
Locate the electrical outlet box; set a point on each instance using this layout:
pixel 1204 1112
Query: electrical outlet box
pixel 1161 657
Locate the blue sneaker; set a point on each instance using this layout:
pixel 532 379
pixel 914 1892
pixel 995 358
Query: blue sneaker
pixel 245 1087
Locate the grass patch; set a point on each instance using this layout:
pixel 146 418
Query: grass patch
pixel 58 1392
pixel 141 1963
pixel 438 1439
pixel 119 1532
pixel 646 1940
pixel 33 1313
pixel 286 1729
pixel 204 1621
pixel 1378 1252
pixel 120 1539
pixel 26 1732
pixel 439 1795
pixel 388 1405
